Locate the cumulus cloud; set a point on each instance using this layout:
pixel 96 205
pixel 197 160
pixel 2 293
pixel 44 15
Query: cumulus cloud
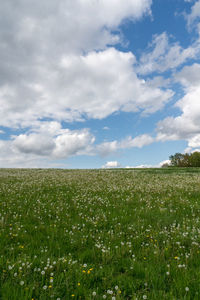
pixel 189 76
pixel 140 141
pixel 73 143
pixel 111 164
pixel 186 126
pixel 140 167
pixel 194 142
pixel 96 85
pixel 163 55
pixel 44 146
pixel 55 62
pixel 194 14
pixel 34 143
pixel 58 144
pixel 10 158
pixel 167 161
pixel 107 148
pixel 159 165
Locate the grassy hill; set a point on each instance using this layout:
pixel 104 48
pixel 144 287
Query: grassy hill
pixel 100 234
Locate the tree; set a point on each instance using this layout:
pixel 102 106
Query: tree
pixel 195 159
pixel 165 165
pixel 185 160
pixel 176 159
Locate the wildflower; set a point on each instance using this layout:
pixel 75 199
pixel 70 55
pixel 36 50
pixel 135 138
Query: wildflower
pixel 79 284
pixel 94 294
pixel 44 287
pixel 167 273
pixel 43 272
pixel 116 287
pixel 187 289
pixel 104 296
pixel 144 297
pixel 21 282
pixel 50 286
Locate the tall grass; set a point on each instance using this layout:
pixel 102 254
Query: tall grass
pixel 99 234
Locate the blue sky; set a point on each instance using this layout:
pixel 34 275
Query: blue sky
pixel 98 83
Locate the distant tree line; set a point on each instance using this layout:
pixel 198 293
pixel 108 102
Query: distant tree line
pixel 184 160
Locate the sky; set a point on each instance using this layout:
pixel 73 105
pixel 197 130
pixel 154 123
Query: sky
pixel 98 83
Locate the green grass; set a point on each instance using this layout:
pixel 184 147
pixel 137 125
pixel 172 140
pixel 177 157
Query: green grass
pixel 100 234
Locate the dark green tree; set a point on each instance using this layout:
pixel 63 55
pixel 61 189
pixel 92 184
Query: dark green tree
pixel 176 160
pixel 185 160
pixel 195 159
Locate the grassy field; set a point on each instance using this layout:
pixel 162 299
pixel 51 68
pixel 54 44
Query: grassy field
pixel 100 234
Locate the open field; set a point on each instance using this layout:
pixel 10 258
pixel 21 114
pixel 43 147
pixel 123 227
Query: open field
pixel 100 234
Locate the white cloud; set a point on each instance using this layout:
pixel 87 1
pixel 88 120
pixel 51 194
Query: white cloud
pixel 73 143
pixel 167 161
pixel 189 76
pixel 163 55
pixel 195 13
pixel 186 126
pixel 149 166
pixel 141 167
pixel 111 164
pixel 9 158
pixel 97 85
pixel 140 141
pixel 194 142
pixel 50 140
pixel 37 144
pixel 107 148
pixel 52 66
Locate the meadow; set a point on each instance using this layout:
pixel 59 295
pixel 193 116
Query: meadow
pixel 100 234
